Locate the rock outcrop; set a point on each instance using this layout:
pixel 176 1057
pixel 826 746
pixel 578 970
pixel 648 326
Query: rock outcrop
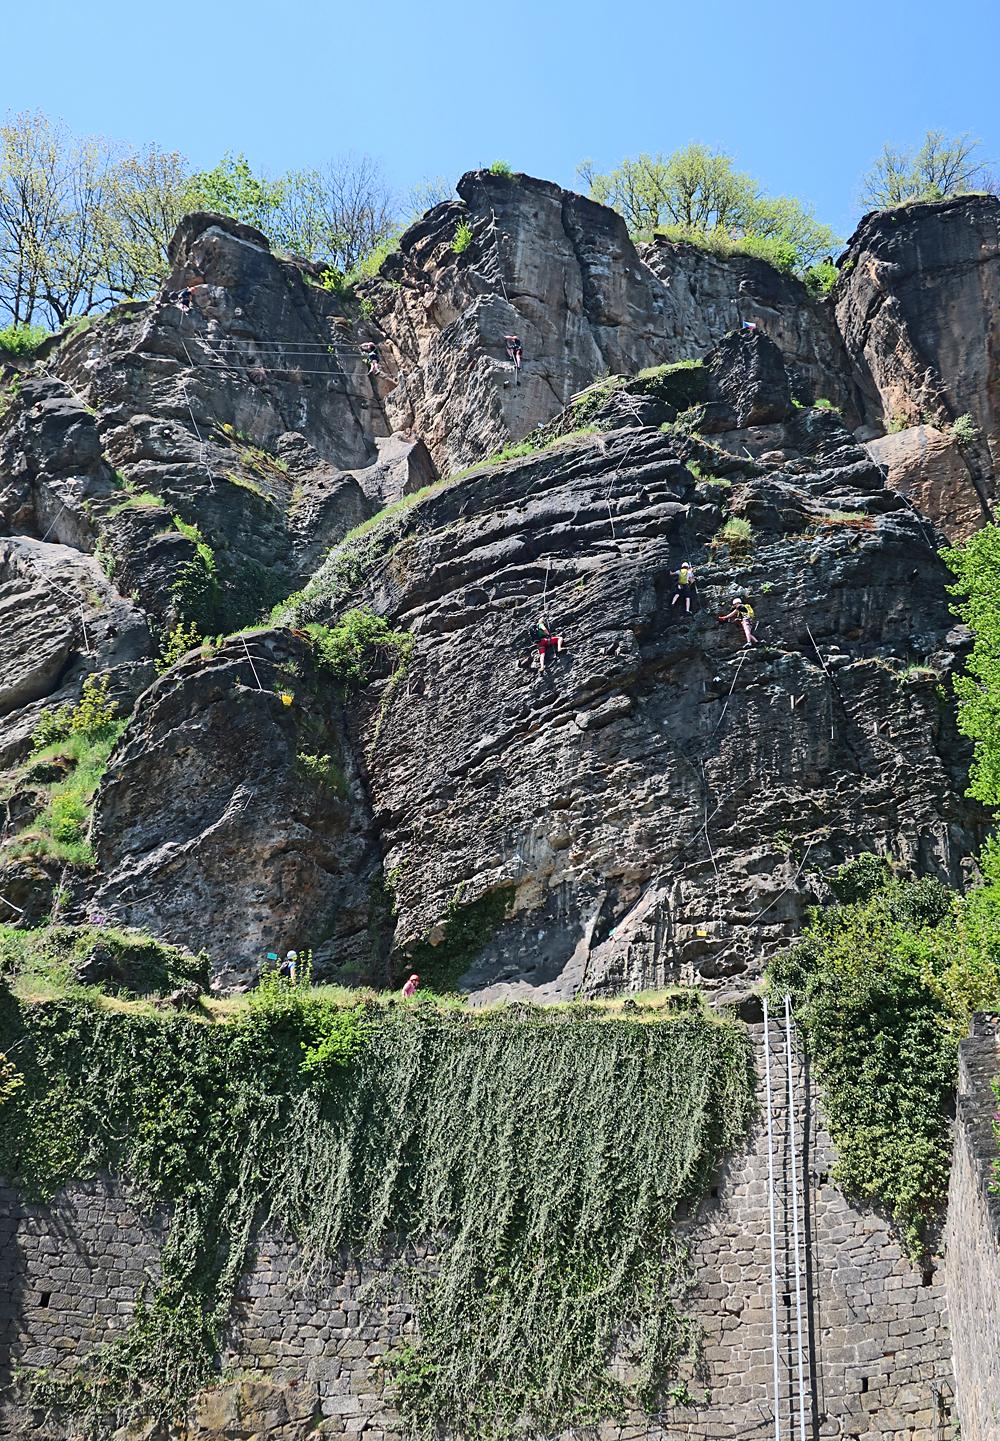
pixel 234 811
pixel 657 804
pixel 561 272
pixel 917 304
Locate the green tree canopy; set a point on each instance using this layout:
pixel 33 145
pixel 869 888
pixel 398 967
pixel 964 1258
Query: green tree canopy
pixel 976 566
pixel 942 166
pixel 697 193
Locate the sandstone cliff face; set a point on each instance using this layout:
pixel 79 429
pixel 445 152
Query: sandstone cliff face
pixel 560 271
pixel 656 805
pixel 612 798
pixel 917 305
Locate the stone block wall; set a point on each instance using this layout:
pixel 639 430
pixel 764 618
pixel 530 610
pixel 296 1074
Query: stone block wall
pixel 303 1353
pixel 70 1273
pixel 973 1237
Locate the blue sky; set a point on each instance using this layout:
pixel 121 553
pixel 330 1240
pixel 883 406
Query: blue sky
pixel 802 96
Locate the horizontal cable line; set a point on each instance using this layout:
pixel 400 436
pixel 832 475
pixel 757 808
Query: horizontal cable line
pixel 282 344
pixel 273 369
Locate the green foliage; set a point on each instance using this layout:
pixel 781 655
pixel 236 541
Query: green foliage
pixel 696 194
pixel 79 739
pixel 976 567
pixel 943 166
pixel 323 771
pixel 50 959
pixel 885 985
pixel 737 533
pixel 266 465
pixel 140 500
pixel 895 422
pixel 21 341
pixel 61 830
pixel 232 188
pixel 861 878
pixel 682 384
pixel 964 429
pixel 358 646
pixel 821 278
pixel 543 1158
pixel 94 717
pixel 467 929
pixel 823 404
pixel 178 643
pixel 463 237
pixel 53 725
pixel 501 168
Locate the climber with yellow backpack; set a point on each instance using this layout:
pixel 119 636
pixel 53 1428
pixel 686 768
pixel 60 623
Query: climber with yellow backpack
pixel 742 611
pixel 687 585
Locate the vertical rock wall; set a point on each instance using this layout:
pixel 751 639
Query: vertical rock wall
pixel 973 1238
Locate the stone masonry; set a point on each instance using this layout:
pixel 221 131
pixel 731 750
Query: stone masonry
pixel 303 1354
pixel 973 1237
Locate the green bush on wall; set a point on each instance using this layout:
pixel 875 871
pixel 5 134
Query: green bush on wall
pixel 884 985
pixel 541 1160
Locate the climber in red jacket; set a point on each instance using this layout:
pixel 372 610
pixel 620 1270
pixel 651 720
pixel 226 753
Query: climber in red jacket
pixel 548 643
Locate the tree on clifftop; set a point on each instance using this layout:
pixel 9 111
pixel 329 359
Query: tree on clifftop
pixel 942 167
pixel 696 194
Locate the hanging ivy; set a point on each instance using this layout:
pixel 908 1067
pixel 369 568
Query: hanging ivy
pixel 540 1158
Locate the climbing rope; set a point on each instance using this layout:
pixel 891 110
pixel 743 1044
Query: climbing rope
pixel 496 242
pixel 250 659
pixel 203 453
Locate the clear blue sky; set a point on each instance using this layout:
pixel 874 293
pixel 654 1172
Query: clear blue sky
pixel 802 96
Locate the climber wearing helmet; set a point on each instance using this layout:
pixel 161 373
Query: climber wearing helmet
pixel 410 986
pixel 687 585
pixel 547 642
pixel 289 967
pixel 742 611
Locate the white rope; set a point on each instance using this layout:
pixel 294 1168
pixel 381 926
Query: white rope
pixel 496 242
pixel 795 1218
pixel 187 401
pixel 770 1207
pixel 250 659
pixel 826 673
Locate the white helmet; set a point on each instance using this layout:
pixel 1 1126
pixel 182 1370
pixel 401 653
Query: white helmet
pixel 292 956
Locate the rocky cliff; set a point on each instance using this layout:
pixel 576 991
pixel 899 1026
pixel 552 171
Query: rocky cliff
pixel 917 304
pixel 658 803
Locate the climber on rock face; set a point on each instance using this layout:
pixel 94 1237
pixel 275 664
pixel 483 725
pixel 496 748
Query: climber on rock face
pixel 742 612
pixel 410 986
pixel 369 354
pixel 515 354
pixel 687 585
pixel 548 643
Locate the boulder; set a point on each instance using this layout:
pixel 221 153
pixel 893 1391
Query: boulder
pixel 748 374
pixel 929 467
